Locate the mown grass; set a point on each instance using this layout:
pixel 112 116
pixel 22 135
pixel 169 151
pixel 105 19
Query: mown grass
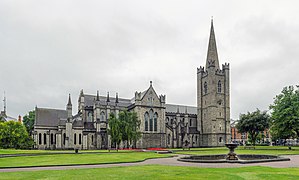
pixel 159 172
pixel 69 159
pixel 270 150
pixel 20 151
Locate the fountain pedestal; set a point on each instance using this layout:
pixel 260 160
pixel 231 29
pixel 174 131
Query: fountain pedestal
pixel 231 155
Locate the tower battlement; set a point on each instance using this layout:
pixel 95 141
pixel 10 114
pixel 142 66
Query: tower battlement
pixel 225 66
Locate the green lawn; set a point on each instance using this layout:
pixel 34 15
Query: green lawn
pixel 19 151
pixel 67 159
pixel 160 172
pixel 271 150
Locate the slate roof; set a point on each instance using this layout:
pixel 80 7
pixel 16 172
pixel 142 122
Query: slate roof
pixel 172 108
pixel 89 100
pixel 49 117
pixel 77 123
pixel 6 117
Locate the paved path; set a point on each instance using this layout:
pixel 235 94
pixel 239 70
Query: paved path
pixel 166 161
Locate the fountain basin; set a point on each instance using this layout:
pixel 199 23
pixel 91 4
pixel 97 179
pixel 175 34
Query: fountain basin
pixel 242 158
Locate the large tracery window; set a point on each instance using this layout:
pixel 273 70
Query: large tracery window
pixel 151 114
pixel 103 117
pixel 219 86
pixel 89 117
pixel 146 119
pixel 155 121
pixel 205 87
pixel 151 121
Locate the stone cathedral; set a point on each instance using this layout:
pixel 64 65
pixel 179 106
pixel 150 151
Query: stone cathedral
pixel 162 124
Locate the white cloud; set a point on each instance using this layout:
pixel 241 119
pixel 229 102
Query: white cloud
pixel 51 48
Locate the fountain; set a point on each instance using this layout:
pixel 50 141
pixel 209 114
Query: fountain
pixel 232 157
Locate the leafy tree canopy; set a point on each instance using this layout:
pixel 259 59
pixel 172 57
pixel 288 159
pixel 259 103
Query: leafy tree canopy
pixel 253 123
pixel 124 128
pixel 14 135
pixel 115 130
pixel 28 121
pixel 285 114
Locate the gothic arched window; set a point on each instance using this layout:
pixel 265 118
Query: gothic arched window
pixel 151 115
pixel 219 86
pixel 155 121
pixel 39 138
pixel 75 138
pixel 146 119
pixel 103 117
pixel 52 138
pixel 80 139
pixel 45 138
pixel 89 117
pixel 64 138
pixel 205 87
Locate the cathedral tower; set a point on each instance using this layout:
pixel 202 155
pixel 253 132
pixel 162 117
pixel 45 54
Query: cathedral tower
pixel 213 98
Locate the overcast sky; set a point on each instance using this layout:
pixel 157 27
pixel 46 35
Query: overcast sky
pixel 51 48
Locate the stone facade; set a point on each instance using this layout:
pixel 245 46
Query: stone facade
pixel 162 125
pixel 213 98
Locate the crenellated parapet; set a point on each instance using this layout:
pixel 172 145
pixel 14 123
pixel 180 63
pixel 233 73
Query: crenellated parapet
pixel 219 72
pixel 225 66
pixel 162 98
pixel 200 70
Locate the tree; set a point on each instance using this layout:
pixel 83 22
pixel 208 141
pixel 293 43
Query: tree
pixel 285 114
pixel 28 121
pixel 130 127
pixel 1 119
pixel 253 123
pixel 14 135
pixel 115 130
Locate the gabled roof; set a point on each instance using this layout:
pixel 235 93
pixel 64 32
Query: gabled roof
pixel 49 117
pixel 173 108
pixel 90 100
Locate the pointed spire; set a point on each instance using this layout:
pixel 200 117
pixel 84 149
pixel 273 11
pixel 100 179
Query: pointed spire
pixel 81 92
pixel 98 96
pixel 116 99
pixel 212 56
pixel 108 99
pixel 4 102
pixel 69 103
pixel 151 83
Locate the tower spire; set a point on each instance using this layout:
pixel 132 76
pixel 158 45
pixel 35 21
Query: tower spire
pixel 98 97
pixel 69 101
pixel 4 103
pixel 116 99
pixel 108 99
pixel 212 56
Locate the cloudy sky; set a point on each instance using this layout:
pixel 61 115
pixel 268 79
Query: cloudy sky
pixel 51 48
